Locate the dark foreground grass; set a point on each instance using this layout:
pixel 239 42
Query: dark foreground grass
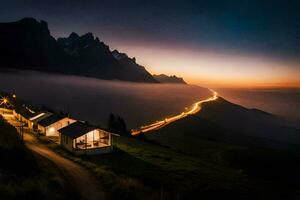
pixel 24 175
pixel 140 170
pixel 271 173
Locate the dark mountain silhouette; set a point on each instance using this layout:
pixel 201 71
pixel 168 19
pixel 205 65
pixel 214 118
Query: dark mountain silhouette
pixel 261 146
pixel 162 78
pixel 250 122
pixel 221 122
pixel 27 44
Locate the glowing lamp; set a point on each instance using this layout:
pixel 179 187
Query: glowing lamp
pixel 51 129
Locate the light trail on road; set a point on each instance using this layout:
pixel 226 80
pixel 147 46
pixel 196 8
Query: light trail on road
pixel 154 126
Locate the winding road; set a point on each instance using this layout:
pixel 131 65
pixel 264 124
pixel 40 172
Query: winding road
pixel 159 124
pixel 78 176
pixel 84 182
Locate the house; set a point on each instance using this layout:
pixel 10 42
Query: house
pixel 38 117
pixel 5 111
pixel 81 138
pixel 23 114
pixel 48 126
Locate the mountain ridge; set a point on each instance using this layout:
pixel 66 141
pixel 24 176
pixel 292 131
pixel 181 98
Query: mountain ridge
pixel 27 44
pixel 230 123
pixel 163 78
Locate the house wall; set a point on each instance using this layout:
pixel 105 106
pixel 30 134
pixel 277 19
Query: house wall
pixel 41 129
pixel 21 118
pixel 30 126
pixel 17 115
pixel 6 111
pixel 67 142
pixel 52 129
pixel 28 122
pixel 34 124
pixel 24 120
pixel 95 151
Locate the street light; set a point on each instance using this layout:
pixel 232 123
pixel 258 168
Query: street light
pixel 4 101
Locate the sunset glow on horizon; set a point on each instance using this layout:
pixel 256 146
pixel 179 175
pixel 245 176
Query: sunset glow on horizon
pixel 212 44
pixel 215 69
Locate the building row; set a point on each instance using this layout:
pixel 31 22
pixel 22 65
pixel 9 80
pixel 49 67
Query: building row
pixel 75 136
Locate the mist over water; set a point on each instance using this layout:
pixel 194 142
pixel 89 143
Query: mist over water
pixel 283 102
pixel 93 99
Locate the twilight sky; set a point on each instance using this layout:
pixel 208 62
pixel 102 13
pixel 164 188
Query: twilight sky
pixel 234 43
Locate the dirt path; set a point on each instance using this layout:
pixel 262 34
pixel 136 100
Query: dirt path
pixel 84 182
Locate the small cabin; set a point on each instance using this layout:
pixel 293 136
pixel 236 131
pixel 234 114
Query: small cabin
pixel 38 117
pixel 6 111
pixel 48 126
pixel 81 138
pixel 23 114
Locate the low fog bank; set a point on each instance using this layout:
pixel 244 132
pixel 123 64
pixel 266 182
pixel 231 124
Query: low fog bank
pixel 93 99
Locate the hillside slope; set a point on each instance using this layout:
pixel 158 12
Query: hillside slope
pixel 25 175
pixel 251 122
pixel 162 78
pixel 224 122
pixel 232 136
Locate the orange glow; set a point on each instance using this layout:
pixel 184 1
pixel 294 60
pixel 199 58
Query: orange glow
pixel 210 69
pixel 4 101
pixel 159 124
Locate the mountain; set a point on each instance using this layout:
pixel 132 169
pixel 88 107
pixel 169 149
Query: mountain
pixel 261 146
pixel 162 78
pixel 251 122
pixel 28 44
pixel 226 123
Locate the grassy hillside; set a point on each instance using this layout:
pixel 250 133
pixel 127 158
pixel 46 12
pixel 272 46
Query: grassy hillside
pixel 138 169
pixel 251 122
pixel 196 156
pixel 213 136
pixel 24 175
pixel 221 123
pixel 178 175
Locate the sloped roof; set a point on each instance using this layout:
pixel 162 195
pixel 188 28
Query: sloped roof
pixel 25 112
pixel 76 129
pixel 50 120
pixel 39 116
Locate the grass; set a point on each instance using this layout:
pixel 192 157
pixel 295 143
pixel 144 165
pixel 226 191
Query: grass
pixel 24 175
pixel 270 173
pixel 142 169
pixel 138 169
